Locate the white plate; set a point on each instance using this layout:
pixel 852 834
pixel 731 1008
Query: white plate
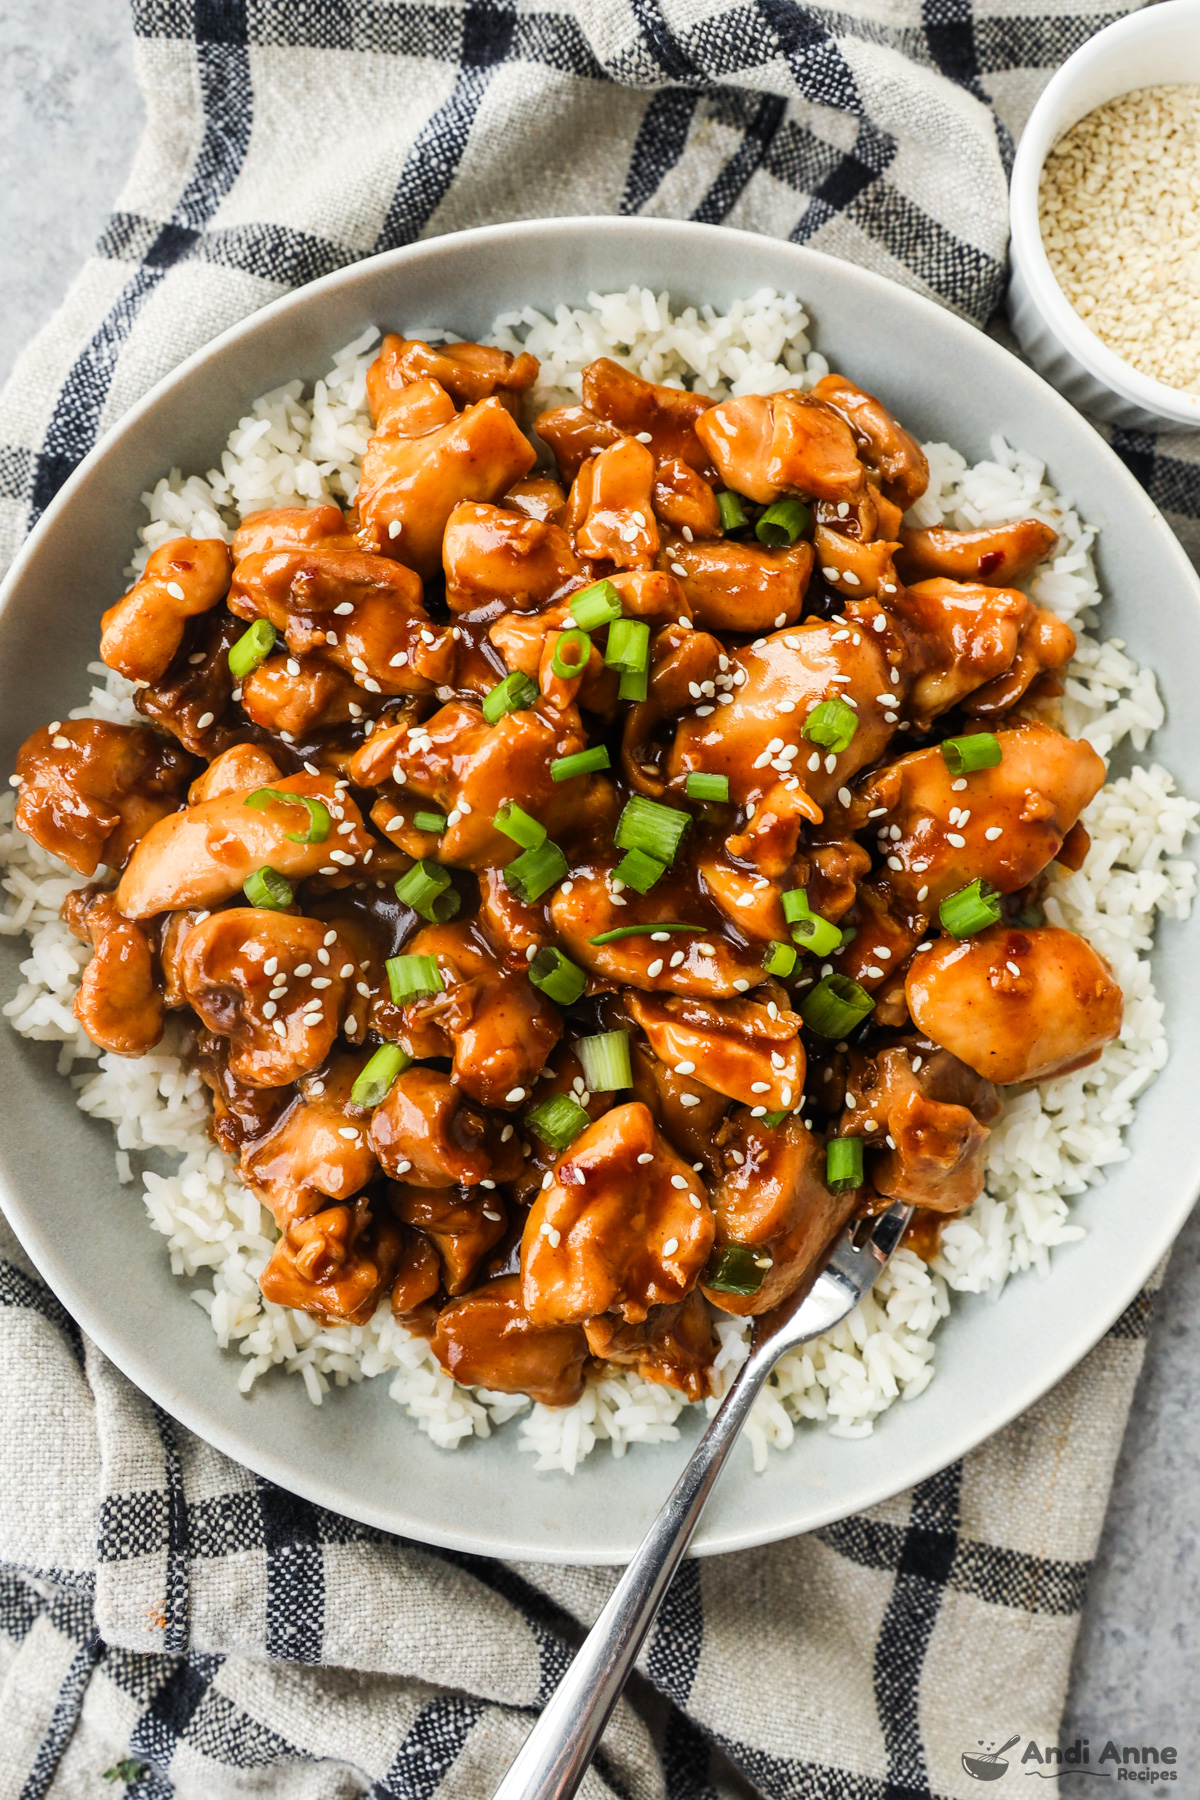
pixel 358 1453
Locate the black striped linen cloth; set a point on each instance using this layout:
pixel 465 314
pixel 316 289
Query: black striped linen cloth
pixel 166 1617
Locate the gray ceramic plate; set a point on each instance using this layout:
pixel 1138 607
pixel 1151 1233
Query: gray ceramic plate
pixel 358 1453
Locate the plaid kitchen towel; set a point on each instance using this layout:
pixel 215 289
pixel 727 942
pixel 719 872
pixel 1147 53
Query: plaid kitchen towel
pixel 167 1617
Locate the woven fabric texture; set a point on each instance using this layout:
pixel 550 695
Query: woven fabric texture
pixel 163 1610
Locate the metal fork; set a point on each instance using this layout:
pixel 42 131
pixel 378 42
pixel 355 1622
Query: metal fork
pixel 558 1751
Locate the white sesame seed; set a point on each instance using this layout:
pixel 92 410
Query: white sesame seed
pixel 1012 968
pixel 993 832
pixel 922 893
pixel 644 437
pixel 175 591
pixel 814 761
pixel 344 608
pixel 741 986
pixel 760 1087
pixel 956 838
pixel 547 1181
pixel 205 720
pixel 645 1157
pixel 554 1239
pixel 678 569
pixel 678 1181
pixel 346 970
pixel 656 967
pixel 670 1247
pixel 893 862
pixel 514 1096
pixel 279 1028
pixel 873 970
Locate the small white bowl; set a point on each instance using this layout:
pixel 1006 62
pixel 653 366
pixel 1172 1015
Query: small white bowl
pixel 1147 49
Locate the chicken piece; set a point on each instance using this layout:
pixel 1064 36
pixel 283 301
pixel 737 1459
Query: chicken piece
pixel 961 636
pixel 193 698
pixel 740 587
pixel 638 408
pixel 412 483
pixel 418 1274
pixel 1016 1005
pixel 259 979
pixel 612 507
pixel 142 632
pixel 574 433
pixel 856 568
pixel 463 1228
pixel 292 528
pixel 205 854
pixel 489 1016
pixel 650 594
pixel 765 446
pixel 427 1130
pixel 686 1110
pixel 684 666
pixel 624 1226
pixel 517 930
pixel 238 770
pixel 751 904
pixel 307 1158
pixel 739 1048
pixel 487 1339
pixel 893 457
pixel 772 1197
pixel 674 1346
pixel 360 612
pixel 240 1113
pixel 90 790
pixel 118 1003
pixel 468 372
pixel 1008 822
pixel 998 554
pixel 172 929
pixel 684 502
pixel 493 555
pixel 885 934
pixel 295 696
pixel 934 1114
pixel 334 1264
pixel 538 497
pixel 1046 643
pixel 711 966
pixel 467 769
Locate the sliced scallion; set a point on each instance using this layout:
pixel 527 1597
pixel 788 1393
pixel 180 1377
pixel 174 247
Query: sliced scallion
pixel 782 523
pixel 971 909
pixel 843 1164
pixel 963 755
pixel 253 647
pixel 557 976
pixel 412 977
pixel 628 931
pixel 832 724
pixel 780 960
pixel 795 905
pixel 510 695
pixel 835 1006
pixel 319 821
pixel 647 825
pixel 269 889
pixel 426 888
pixel 571 654
pixel 733 1270
pixel 558 1121
pixel 531 873
pixel 520 826
pixel 708 787
pixel 816 934
pixel 634 685
pixel 605 1059
pixel 771 1120
pixel 430 821
pixel 733 513
pixel 628 646
pixel 581 762
pixel 595 606
pixel 375 1078
pixel 637 870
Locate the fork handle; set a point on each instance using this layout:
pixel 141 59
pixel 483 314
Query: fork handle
pixel 558 1751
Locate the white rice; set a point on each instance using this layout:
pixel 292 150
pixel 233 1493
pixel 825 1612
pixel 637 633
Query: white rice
pixel 1050 1143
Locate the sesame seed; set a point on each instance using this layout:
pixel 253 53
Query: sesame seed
pixel 893 862
pixel 346 970
pixel 645 1158
pixel 740 985
pixel 993 832
pixel 830 573
pixel 678 1181
pixel 278 1027
pixel 676 959
pixel 670 1247
pixel 678 569
pixel 547 1181
pixel 343 608
pixel 873 970
pixel 553 1238
pixel 760 1087
pixel 956 838
pixel 205 720
pixel 656 967
pixel 175 591
pixel 644 437
pixel 922 893
pixel 1012 968
pixel 514 1096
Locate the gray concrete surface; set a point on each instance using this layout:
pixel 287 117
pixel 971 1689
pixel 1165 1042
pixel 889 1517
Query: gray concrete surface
pixel 69 120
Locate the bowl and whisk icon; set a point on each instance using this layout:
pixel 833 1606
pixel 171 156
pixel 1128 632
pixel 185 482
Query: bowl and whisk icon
pixel 988 1766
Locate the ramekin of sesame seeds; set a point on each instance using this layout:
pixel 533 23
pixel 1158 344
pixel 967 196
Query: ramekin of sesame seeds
pixel 1105 217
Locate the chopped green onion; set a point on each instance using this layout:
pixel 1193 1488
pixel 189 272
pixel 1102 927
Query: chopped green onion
pixel 843 1164
pixel 625 931
pixel 971 909
pixel 557 976
pixel 779 960
pixel 571 654
pixel 816 934
pixel 426 888
pixel 253 647
pixel 583 762
pixel 605 1059
pixel 647 825
pixel 981 750
pixel 518 825
pixel 412 977
pixel 595 606
pixel 637 870
pixel 269 889
pixel 733 1270
pixel 558 1121
pixel 708 787
pixel 832 724
pixel 634 685
pixel 733 513
pixel 531 873
pixel 835 1006
pixel 795 905
pixel 319 821
pixel 509 695
pixel 628 645
pixel 430 821
pixel 773 1119
pixel 375 1078
pixel 782 523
